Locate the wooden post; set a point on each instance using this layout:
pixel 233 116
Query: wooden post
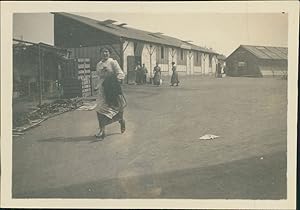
pixel 121 56
pixel 204 58
pixel 172 55
pixel 122 50
pixel 190 55
pixel 150 64
pixel 150 53
pixel 40 76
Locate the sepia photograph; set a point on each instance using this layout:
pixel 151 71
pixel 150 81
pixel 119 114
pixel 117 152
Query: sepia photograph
pixel 146 104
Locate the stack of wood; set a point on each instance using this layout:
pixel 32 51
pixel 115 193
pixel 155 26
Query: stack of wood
pixel 84 74
pixel 44 112
pixel 77 80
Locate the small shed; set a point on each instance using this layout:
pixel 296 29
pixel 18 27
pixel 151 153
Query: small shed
pixel 35 65
pixel 257 61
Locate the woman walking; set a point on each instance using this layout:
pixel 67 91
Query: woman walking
pixel 157 75
pixel 111 99
pixel 174 78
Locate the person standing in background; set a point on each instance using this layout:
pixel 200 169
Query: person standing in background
pixel 174 78
pixel 138 73
pixel 157 75
pixel 144 73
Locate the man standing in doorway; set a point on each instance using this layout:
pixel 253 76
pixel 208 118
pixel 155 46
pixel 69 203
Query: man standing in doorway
pixel 144 74
pixel 138 73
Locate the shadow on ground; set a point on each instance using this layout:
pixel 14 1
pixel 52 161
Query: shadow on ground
pixel 91 139
pixel 252 178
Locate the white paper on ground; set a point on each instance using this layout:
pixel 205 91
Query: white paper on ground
pixel 208 137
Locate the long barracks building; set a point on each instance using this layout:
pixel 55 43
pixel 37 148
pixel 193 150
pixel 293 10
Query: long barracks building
pixel 84 36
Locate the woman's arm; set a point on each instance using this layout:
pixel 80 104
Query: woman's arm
pixel 98 72
pixel 118 71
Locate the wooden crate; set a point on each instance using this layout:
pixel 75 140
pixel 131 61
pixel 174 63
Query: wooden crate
pixel 84 75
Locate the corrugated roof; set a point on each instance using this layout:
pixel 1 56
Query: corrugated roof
pixel 132 33
pixel 266 52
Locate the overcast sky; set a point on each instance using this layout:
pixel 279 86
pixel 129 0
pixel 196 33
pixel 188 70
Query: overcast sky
pixel 222 32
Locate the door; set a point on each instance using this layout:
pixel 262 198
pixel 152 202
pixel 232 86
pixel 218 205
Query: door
pixel 130 69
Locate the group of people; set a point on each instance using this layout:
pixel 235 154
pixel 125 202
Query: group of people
pixel 111 101
pixel 141 75
pixel 221 70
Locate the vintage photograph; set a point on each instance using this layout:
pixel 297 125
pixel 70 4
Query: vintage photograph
pixel 148 105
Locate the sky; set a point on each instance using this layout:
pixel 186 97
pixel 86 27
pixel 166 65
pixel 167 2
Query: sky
pixel 221 32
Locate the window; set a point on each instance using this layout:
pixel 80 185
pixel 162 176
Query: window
pixel 210 60
pixel 162 54
pixel 197 57
pixel 181 54
pixel 241 64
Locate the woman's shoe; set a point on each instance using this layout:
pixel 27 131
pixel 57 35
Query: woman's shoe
pixel 100 135
pixel 122 123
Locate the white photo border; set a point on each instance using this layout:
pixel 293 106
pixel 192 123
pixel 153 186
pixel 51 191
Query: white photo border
pixel 7 10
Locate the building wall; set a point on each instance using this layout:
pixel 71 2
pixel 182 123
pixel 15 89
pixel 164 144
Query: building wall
pixel 181 56
pixel 163 63
pixel 129 51
pixel 162 53
pixel 273 67
pixel 197 60
pixel 214 64
pixel 184 67
pixel 205 64
pixel 146 58
pixel 189 63
pixel 272 70
pixel 233 63
pixel 93 53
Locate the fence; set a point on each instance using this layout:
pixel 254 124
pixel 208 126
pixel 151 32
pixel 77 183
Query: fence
pixel 37 70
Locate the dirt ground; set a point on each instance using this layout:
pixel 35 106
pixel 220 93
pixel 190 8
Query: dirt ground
pixel 160 154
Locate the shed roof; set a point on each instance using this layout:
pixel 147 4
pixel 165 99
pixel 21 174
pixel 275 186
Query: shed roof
pixel 120 31
pixel 46 47
pixel 221 57
pixel 267 52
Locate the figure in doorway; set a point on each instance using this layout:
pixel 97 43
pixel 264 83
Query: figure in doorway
pixel 138 73
pixel 144 74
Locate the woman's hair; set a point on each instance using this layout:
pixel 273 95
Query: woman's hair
pixel 105 48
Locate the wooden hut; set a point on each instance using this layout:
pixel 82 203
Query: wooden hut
pixel 257 61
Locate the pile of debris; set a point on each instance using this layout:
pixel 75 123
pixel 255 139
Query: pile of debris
pixel 25 121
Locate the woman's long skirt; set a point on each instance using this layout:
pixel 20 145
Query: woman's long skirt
pixel 174 78
pixel 108 114
pixel 156 78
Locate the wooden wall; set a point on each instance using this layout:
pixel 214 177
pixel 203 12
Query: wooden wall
pixel 242 55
